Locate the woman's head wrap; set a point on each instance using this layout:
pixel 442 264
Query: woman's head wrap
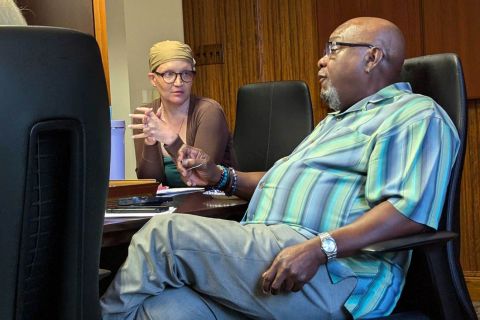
pixel 165 51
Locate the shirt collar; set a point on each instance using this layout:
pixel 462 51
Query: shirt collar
pixel 376 98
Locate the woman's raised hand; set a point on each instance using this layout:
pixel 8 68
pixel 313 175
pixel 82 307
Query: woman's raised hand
pixel 153 128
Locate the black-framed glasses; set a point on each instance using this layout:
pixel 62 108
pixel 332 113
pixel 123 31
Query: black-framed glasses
pixel 331 47
pixel 171 77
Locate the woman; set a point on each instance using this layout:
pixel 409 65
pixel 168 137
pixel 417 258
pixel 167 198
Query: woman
pixel 177 116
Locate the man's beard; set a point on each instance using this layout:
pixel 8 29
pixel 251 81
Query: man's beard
pixel 331 98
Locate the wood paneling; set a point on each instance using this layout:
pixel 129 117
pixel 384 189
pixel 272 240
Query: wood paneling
pixel 233 24
pixel 472 279
pixel 453 26
pixel 470 202
pixel 263 40
pixel 268 40
pixel 470 191
pixel 290 48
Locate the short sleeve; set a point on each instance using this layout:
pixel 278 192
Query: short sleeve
pixel 410 167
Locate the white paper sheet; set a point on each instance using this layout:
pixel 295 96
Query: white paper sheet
pixel 138 214
pixel 175 191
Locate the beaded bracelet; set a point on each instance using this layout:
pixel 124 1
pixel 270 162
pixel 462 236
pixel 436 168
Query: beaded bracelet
pixel 233 188
pixel 222 183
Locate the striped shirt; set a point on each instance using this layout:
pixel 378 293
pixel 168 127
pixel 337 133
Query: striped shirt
pixel 391 146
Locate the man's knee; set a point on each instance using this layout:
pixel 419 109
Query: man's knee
pixel 161 226
pixel 181 229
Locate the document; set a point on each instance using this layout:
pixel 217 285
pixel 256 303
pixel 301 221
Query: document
pixel 137 212
pixel 175 191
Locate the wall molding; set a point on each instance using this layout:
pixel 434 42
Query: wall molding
pixel 472 278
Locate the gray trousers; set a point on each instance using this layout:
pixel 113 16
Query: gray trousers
pixel 189 267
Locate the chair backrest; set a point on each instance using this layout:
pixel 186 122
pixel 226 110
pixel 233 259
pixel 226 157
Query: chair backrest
pixel 438 271
pixel 55 146
pixel 272 119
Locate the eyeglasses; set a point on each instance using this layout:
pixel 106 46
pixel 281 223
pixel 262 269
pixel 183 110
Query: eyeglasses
pixel 331 47
pixel 171 77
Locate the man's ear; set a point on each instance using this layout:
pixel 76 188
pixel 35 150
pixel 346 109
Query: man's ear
pixel 372 58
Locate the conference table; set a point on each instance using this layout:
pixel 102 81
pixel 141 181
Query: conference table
pixel 119 231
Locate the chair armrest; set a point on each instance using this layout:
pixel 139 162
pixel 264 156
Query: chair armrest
pixel 410 242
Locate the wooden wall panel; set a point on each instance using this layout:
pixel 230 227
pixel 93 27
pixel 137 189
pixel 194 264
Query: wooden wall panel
pixel 453 26
pixel 232 24
pixel 470 203
pixel 263 40
pixel 241 65
pixel 290 48
pixel 473 284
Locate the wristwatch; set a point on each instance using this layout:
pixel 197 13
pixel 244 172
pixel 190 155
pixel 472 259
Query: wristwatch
pixel 329 246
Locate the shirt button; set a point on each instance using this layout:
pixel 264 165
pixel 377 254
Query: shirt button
pixel 261 185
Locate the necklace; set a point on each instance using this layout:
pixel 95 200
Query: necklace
pixel 181 125
pixel 164 118
pixel 179 133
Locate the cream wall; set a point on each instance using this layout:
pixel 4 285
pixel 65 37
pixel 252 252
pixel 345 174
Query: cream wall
pixel 133 26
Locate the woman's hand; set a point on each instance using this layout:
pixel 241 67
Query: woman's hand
pixel 154 129
pixel 196 168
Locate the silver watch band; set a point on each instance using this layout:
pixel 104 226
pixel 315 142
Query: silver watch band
pixel 329 246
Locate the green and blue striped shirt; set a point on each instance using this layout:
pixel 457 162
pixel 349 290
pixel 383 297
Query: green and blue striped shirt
pixel 392 146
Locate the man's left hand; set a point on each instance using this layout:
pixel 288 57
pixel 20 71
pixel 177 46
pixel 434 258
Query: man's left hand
pixel 293 267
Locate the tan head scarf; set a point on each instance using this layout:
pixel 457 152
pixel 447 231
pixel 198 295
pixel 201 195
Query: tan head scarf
pixel 164 51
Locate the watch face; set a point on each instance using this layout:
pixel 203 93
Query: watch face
pixel 328 245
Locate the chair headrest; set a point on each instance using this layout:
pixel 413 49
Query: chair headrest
pixel 440 77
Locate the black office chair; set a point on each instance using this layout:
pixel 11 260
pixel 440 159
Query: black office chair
pixel 272 119
pixel 55 146
pixel 435 287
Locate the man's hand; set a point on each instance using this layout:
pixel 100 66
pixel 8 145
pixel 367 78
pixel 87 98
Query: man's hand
pixel 293 267
pixel 196 168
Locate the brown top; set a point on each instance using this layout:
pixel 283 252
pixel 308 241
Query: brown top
pixel 206 129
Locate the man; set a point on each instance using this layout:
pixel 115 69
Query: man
pixel 375 169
